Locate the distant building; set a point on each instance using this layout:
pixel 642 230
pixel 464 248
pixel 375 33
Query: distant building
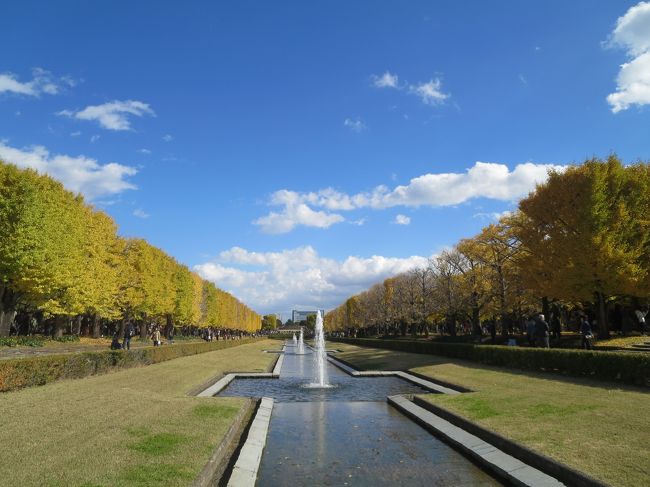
pixel 298 316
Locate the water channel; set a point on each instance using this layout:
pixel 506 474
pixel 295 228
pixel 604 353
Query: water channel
pixel 347 434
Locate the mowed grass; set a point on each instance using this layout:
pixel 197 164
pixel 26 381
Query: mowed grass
pixel 600 429
pixel 135 427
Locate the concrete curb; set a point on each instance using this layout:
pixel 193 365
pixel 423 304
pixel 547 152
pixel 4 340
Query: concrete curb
pixel 489 456
pixel 222 383
pixel 426 384
pixel 244 474
pixel 278 364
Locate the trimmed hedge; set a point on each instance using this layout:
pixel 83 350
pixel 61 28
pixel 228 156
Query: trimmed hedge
pixel 626 367
pixel 35 371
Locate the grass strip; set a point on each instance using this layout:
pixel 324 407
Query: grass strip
pixel 137 427
pixel 624 367
pixel 599 428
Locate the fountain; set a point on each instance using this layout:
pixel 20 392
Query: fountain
pixel 301 344
pixel 295 340
pixel 320 356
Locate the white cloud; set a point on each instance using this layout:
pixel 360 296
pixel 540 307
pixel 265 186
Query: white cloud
pixel 386 80
pixel 273 281
pixel 632 33
pixel 294 213
pixel 167 138
pixel 402 220
pixel 144 151
pixel 79 174
pixel 430 93
pixel 483 180
pixel 113 115
pixel 42 82
pixel 140 213
pixel 360 222
pixel 94 138
pixel 75 134
pixel 355 125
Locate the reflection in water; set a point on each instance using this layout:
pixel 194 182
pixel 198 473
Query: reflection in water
pixel 358 443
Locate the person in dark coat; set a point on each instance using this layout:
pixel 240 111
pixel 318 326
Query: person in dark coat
pixel 115 343
pixel 128 333
pixel 586 332
pixel 542 331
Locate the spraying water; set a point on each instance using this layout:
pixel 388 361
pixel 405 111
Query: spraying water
pixel 301 344
pixel 295 340
pixel 320 356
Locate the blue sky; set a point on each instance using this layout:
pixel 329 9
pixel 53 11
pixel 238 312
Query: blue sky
pixel 249 139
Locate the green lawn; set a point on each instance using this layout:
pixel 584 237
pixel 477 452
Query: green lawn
pixel 135 427
pixel 601 429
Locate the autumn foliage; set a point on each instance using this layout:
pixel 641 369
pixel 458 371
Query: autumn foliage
pixel 62 260
pixel 581 240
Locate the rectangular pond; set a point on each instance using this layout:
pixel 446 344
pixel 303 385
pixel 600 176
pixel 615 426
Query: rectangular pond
pixel 347 434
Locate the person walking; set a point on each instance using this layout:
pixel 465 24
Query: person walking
pixel 128 333
pixel 641 313
pixel 155 336
pixel 542 331
pixel 556 326
pixel 586 332
pixel 530 330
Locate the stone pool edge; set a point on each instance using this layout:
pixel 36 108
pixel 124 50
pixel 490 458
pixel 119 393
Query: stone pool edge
pixel 426 384
pixel 244 473
pixel 490 457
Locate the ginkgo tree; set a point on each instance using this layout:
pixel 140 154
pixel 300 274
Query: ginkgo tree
pixel 582 238
pixel 62 258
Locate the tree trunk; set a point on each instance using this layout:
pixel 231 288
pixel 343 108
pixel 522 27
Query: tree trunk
pixel 476 321
pixel 546 308
pixel 6 320
pixel 603 325
pixel 169 326
pixel 77 325
pixel 452 325
pixel 96 324
pixel 59 325
pixel 123 327
pixel 143 329
pixel 8 301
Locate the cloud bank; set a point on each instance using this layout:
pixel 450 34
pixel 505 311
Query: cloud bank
pixel 276 281
pixel 483 180
pixel 632 33
pixel 79 174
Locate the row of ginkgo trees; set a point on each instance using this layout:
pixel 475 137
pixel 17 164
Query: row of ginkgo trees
pixel 580 240
pixel 62 261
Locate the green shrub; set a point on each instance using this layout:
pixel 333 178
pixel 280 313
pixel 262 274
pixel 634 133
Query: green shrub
pixel 21 341
pixel 34 371
pixel 626 367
